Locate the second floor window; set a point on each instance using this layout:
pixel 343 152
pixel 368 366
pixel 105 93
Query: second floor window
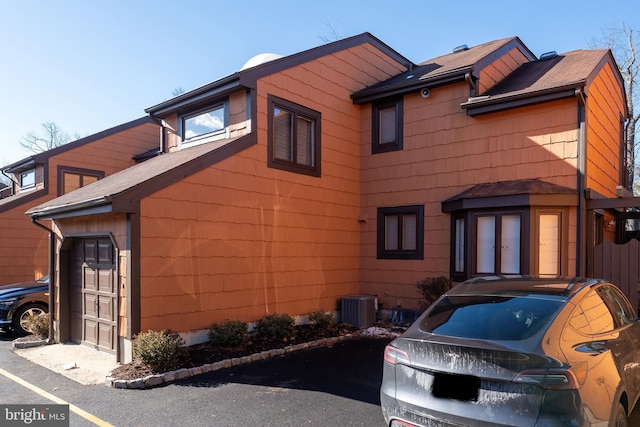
pixel 70 179
pixel 204 125
pixel 387 126
pixel 294 137
pixel 28 179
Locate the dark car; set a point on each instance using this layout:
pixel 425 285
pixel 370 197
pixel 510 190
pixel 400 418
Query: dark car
pixel 516 351
pixel 19 301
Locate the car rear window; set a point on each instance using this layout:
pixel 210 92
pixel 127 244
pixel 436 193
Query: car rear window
pixel 489 317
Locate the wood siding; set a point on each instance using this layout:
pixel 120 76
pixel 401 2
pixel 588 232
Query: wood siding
pixel 446 152
pixel 499 69
pixel 240 240
pixel 605 102
pixel 24 246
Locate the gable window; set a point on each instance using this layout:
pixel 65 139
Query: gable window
pixel 27 179
pixel 387 126
pixel 294 137
pixel 401 232
pixel 204 125
pixel 70 179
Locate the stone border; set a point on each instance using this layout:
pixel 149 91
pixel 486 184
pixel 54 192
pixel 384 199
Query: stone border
pixel 167 377
pixel 18 344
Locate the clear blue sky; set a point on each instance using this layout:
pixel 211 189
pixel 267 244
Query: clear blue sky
pixel 90 65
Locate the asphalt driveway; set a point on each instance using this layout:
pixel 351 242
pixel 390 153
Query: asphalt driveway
pixel 317 387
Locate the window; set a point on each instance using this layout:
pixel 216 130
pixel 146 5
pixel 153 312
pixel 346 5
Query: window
pixel 70 179
pixel 294 137
pixel 498 244
pixel 401 232
pixel 204 125
pixel 27 179
pixel 549 244
pixel 387 127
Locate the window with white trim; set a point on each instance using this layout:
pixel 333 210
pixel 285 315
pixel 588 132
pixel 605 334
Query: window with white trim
pixel 205 125
pixel 27 179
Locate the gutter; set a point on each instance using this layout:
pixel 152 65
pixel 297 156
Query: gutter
pixel 52 277
pixel 368 95
pixel 93 206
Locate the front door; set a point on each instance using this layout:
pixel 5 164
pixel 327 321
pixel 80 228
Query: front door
pixel 94 293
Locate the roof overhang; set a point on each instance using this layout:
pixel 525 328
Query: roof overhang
pixel 411 85
pixel 489 104
pixel 528 192
pixel 89 207
pixel 198 96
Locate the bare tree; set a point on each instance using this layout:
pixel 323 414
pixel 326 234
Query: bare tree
pixel 625 50
pixel 50 136
pixel 333 34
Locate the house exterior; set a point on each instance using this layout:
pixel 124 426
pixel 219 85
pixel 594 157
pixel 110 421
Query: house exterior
pixel 341 170
pixel 24 248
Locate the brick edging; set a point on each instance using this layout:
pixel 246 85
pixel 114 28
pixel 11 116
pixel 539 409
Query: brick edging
pixel 167 377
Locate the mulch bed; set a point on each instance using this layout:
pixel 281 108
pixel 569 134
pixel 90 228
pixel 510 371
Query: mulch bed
pixel 201 354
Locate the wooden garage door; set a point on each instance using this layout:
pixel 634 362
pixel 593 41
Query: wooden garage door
pixel 94 294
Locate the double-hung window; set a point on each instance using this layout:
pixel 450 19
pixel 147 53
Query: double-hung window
pixel 387 126
pixel 204 125
pixel 294 137
pixel 401 232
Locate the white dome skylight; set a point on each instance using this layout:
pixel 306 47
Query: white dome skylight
pixel 260 59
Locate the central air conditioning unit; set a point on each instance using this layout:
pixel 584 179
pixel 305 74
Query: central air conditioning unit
pixel 359 310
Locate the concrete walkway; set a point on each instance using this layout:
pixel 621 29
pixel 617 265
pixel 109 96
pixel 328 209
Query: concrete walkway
pixel 80 363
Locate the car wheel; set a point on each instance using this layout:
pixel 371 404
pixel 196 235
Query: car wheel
pixel 21 317
pixel 619 416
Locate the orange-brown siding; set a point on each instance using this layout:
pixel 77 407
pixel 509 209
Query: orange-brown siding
pixel 239 240
pixel 605 101
pixel 24 246
pixel 446 152
pixel 499 69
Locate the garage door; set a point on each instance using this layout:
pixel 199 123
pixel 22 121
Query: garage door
pixel 94 294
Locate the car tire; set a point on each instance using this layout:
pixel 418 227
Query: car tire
pixel 23 313
pixel 619 416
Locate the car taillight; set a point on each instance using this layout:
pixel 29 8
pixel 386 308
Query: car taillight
pixel 399 423
pixel 394 356
pixel 557 379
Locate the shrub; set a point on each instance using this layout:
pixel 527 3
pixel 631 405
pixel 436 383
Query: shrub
pixel 322 319
pixel 275 327
pixel 431 288
pixel 162 350
pixel 230 333
pixel 39 324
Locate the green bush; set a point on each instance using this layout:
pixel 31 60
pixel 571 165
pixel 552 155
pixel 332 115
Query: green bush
pixel 162 350
pixel 322 319
pixel 230 333
pixel 276 327
pixel 431 288
pixel 39 324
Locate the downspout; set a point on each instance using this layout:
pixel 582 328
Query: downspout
pixel 52 277
pixel 163 133
pixel 581 174
pixel 13 183
pixel 471 81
